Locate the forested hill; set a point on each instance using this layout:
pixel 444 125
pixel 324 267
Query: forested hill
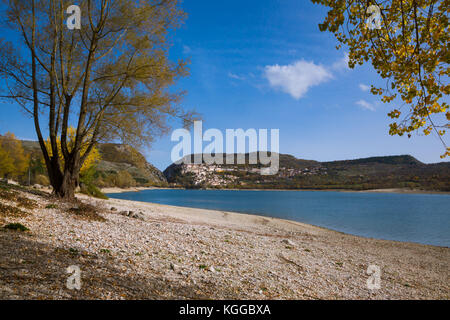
pixel 118 157
pixel 361 174
pixel 119 166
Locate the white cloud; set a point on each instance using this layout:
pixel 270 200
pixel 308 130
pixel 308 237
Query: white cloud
pixel 364 87
pixel 297 78
pixel 341 64
pixel 235 76
pixel 365 105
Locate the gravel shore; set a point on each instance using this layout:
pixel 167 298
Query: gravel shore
pixel 132 250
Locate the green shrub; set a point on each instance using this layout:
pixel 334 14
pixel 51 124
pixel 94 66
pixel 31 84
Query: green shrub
pixel 73 251
pixel 124 179
pixel 93 191
pixel 16 227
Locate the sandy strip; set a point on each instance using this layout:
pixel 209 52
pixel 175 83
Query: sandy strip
pixel 389 190
pixel 406 191
pixel 214 217
pixel 123 190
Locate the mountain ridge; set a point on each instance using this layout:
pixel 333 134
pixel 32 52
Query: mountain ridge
pixel 401 171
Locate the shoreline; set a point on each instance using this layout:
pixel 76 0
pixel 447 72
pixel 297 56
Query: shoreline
pixel 142 250
pixel 404 191
pixel 116 190
pixel 240 217
pixel 387 190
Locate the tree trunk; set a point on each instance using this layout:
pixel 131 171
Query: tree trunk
pixel 66 189
pixel 64 183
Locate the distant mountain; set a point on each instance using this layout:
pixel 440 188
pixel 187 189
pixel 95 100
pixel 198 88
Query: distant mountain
pixel 361 174
pixel 400 160
pixel 116 158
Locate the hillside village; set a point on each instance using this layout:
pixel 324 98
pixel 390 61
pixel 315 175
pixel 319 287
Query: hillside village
pixel 223 175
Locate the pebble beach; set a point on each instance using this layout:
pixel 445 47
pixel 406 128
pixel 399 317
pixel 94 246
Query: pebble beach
pixel 133 250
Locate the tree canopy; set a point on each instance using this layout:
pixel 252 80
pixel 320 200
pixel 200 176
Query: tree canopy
pixel 410 50
pixel 13 160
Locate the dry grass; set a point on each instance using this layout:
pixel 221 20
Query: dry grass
pixel 9 195
pixel 85 211
pixel 34 270
pixel 10 211
pixel 26 203
pixel 14 196
pixel 14 188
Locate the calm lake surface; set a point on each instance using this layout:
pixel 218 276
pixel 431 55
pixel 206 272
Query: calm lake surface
pixel 422 218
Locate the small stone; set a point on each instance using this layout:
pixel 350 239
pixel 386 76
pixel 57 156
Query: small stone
pixel 174 267
pixel 138 216
pixel 212 269
pixel 113 209
pixel 288 242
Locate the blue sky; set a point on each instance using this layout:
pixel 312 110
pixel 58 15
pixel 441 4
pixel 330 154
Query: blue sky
pixel 265 64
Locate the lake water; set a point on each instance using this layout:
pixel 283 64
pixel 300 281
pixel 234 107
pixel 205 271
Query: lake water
pixel 422 218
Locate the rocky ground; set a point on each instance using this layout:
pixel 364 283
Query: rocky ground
pixel 130 250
